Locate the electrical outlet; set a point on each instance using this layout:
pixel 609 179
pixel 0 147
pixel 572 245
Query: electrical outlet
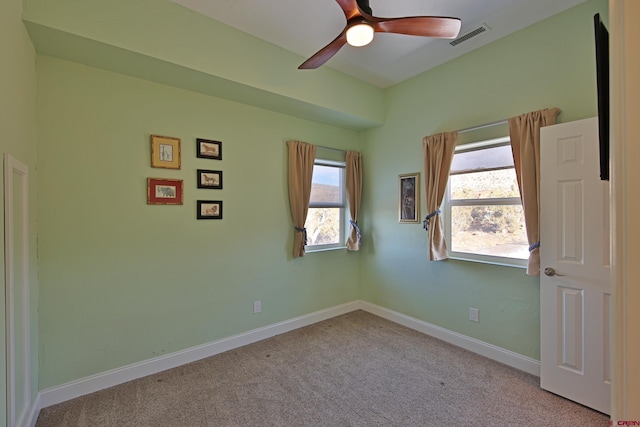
pixel 474 314
pixel 257 307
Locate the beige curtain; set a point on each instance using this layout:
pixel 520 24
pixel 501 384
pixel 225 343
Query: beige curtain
pixel 354 192
pixel 301 158
pixel 438 154
pixel 524 131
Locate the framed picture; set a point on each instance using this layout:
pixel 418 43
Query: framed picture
pixel 161 191
pixel 209 179
pixel 409 198
pixel 208 149
pixel 165 152
pixel 209 209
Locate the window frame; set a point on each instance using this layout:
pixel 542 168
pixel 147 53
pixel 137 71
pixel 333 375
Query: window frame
pixel 505 201
pixel 342 244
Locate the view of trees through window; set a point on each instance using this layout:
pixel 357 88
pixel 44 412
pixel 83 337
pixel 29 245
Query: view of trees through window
pixel 323 226
pixel 326 207
pixel 486 214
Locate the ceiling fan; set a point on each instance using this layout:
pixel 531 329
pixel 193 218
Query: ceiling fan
pixel 361 25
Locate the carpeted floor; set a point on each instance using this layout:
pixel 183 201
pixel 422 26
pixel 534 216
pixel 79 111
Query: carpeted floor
pixel 353 370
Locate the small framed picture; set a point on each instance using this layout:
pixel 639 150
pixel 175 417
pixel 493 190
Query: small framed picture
pixel 209 209
pixel 208 149
pixel 161 191
pixel 409 198
pixel 165 152
pixel 209 179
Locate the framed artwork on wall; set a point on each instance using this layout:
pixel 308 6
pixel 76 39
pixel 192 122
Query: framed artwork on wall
pixel 209 209
pixel 208 149
pixel 209 179
pixel 409 198
pixel 161 191
pixel 165 152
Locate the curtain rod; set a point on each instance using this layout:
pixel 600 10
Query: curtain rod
pixel 331 148
pixel 486 125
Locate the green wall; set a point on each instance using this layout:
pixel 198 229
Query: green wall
pixel 550 64
pixel 18 138
pixel 123 281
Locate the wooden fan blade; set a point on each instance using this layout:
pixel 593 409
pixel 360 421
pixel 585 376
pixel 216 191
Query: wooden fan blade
pixel 425 26
pixel 350 8
pixel 326 53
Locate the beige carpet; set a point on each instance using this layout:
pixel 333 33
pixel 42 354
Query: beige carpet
pixel 353 370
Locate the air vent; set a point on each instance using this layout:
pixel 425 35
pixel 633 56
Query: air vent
pixel 471 34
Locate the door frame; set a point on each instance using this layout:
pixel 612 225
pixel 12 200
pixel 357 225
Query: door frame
pixel 13 167
pixel 625 271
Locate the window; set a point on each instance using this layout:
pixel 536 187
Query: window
pixel 484 219
pixel 326 217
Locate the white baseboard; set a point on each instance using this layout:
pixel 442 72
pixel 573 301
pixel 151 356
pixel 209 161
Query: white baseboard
pixel 491 351
pixel 93 383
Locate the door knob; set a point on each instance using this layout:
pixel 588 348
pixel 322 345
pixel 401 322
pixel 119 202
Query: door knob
pixel 549 271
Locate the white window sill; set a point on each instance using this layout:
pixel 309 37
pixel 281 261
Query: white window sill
pixel 313 250
pixel 517 263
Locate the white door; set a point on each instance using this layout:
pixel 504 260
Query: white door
pixel 575 301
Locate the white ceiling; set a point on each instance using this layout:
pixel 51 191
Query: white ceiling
pixel 305 26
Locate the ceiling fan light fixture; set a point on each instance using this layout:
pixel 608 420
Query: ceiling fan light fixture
pixel 360 34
